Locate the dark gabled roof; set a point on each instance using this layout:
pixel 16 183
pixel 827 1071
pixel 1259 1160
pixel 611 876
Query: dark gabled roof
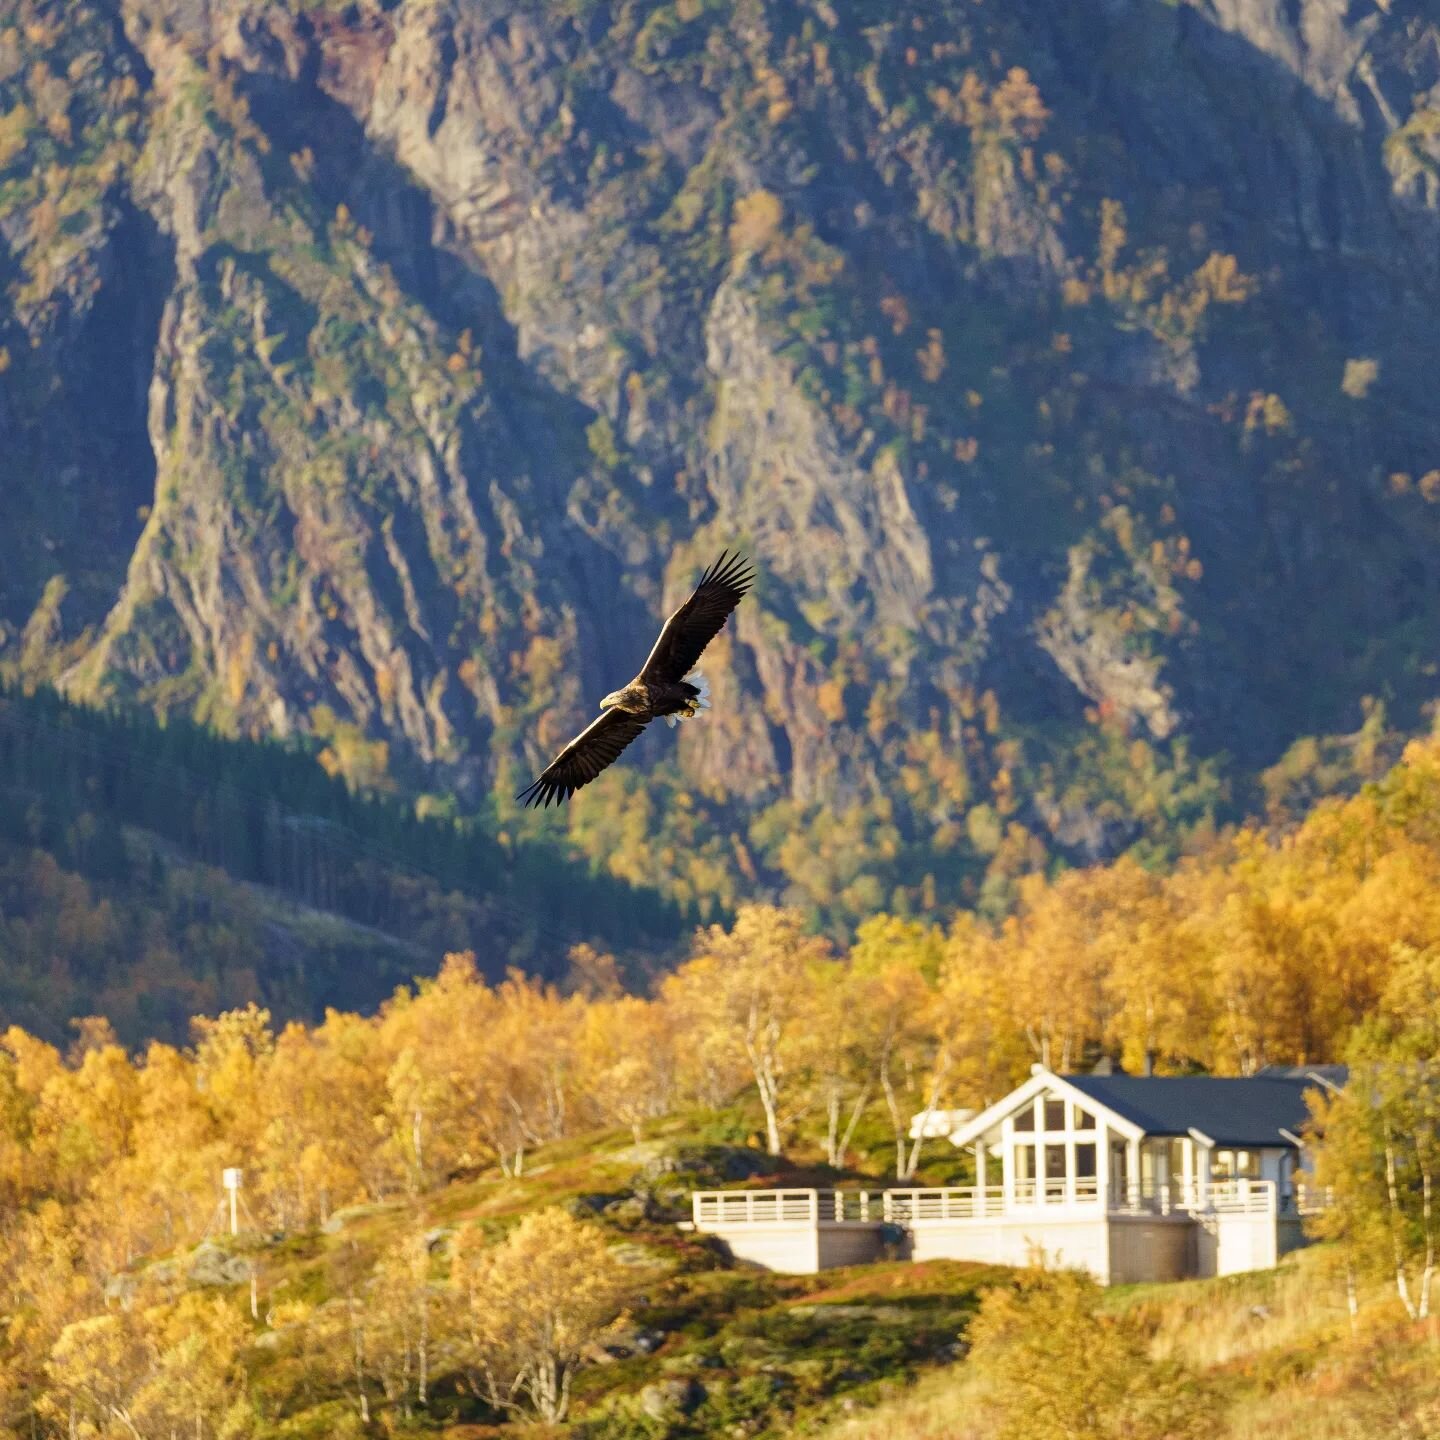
pixel 1229 1112
pixel 1327 1075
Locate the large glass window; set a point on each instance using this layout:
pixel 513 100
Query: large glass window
pixel 1054 1114
pixel 1235 1165
pixel 1119 1165
pixel 1025 1119
pixel 1085 1162
pixel 1055 1170
pixel 1149 1162
pixel 1175 1161
pixel 1084 1120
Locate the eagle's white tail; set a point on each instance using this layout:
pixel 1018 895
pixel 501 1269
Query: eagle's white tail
pixel 699 703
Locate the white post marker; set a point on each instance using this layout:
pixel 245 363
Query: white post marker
pixel 231 1178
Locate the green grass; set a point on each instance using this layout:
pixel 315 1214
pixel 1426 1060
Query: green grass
pixel 766 1354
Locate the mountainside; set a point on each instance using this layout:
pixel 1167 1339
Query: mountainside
pixel 387 368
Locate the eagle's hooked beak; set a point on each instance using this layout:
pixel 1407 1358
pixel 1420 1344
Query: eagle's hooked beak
pixel 612 699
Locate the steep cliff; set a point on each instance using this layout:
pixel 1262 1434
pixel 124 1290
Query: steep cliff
pixel 1066 370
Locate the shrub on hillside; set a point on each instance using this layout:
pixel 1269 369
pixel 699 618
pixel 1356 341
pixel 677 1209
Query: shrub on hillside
pixel 1053 1367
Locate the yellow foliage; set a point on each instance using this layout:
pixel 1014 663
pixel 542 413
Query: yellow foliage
pixel 1221 280
pixel 897 312
pixel 1273 947
pixel 1012 111
pixel 237 669
pixel 535 1304
pixel 742 998
pixel 14 130
pixel 931 359
pixel 167 1369
pixel 1359 376
pixel 363 764
pixel 756 221
pixel 1267 413
pixel 1017 106
pixel 1053 1367
pixel 830 697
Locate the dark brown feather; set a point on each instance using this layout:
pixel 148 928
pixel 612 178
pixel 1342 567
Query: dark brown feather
pixel 595 747
pixel 699 620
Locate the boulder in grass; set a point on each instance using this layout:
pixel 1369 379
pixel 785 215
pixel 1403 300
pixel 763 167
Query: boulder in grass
pixel 210 1265
pixel 666 1399
pixel 597 1202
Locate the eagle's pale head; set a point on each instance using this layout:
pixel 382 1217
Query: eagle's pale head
pixel 615 697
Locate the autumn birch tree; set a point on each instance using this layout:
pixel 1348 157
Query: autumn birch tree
pixel 533 1306
pixel 745 991
pixel 626 1062
pixel 1380 1152
pixel 894 963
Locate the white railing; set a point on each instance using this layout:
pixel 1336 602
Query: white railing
pixel 756 1207
pixel 942 1204
pixel 956 1202
pixel 1082 1190
pixel 1236 1197
pixel 864 1207
pixel 1243 1197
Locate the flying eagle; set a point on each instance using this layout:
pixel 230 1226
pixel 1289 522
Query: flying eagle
pixel 662 688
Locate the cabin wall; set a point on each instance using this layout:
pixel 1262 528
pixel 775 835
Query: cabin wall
pixel 1151 1247
pixel 852 1245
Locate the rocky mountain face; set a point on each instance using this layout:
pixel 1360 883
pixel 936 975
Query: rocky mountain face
pixel 388 367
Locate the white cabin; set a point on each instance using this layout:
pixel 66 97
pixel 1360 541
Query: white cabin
pixel 1131 1178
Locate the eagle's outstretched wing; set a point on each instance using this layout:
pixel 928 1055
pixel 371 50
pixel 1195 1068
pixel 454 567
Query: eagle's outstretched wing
pixel 699 620
pixel 583 758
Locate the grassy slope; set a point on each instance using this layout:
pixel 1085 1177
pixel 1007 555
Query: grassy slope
pixel 774 1354
pixel 1274 1351
pixel 866 1353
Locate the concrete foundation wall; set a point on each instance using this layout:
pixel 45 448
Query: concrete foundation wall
pixel 1017 1241
pixel 1207 1246
pixel 1245 1242
pixel 791 1249
pixel 1115 1249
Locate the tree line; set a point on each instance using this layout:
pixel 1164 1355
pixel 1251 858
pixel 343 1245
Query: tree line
pixel 78 781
